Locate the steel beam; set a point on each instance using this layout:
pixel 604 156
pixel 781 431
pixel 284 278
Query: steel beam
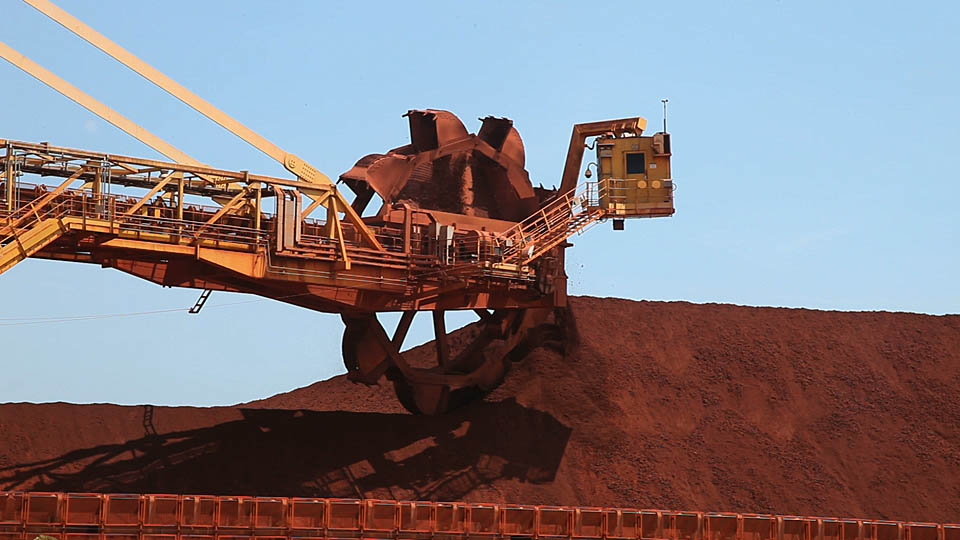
pixel 440 333
pixel 93 105
pixel 153 75
pixel 313 206
pixel 337 228
pixel 292 162
pixel 222 212
pixel 10 177
pixel 160 185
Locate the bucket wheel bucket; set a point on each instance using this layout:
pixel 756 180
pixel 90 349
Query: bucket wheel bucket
pixel 458 369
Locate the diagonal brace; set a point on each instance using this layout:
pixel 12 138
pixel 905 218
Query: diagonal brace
pixel 222 212
pixel 160 185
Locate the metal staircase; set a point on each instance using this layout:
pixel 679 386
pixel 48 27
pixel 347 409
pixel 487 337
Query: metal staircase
pixel 31 228
pixel 568 214
pixel 21 243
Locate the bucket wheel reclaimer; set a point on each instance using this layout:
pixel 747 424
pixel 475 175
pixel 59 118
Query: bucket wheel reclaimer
pixel 461 227
pixel 458 371
pixel 455 178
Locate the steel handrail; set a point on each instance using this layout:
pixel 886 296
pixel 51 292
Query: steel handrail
pixel 111 209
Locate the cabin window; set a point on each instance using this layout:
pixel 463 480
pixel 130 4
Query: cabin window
pixel 636 163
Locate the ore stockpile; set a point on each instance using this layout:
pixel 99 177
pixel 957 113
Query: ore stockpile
pixel 647 404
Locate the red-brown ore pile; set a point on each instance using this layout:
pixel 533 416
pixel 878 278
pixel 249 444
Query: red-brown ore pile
pixel 662 405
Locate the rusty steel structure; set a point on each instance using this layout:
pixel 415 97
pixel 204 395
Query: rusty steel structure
pixel 91 516
pixel 460 226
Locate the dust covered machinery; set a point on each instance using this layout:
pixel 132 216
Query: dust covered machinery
pixel 635 172
pixel 460 227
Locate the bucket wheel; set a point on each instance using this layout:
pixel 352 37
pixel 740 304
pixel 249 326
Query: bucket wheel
pixel 456 370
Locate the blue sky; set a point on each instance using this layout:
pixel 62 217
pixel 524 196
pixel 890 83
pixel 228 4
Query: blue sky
pixel 814 147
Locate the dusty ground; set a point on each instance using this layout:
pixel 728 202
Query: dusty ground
pixel 664 405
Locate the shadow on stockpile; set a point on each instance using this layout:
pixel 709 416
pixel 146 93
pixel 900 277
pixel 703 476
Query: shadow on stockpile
pixel 318 454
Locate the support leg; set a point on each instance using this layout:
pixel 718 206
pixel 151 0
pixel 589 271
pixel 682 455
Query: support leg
pixel 402 328
pixel 10 179
pixel 440 331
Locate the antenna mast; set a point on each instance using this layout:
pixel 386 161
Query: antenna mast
pixel 664 101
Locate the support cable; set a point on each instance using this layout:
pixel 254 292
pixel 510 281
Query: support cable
pixel 25 321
